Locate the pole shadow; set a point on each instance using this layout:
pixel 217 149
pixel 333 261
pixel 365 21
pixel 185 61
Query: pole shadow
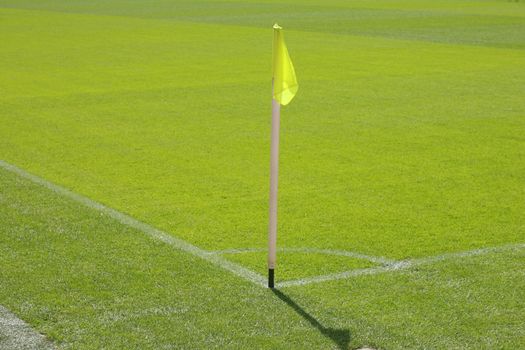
pixel 341 337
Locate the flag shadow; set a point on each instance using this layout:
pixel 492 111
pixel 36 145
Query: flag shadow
pixel 341 337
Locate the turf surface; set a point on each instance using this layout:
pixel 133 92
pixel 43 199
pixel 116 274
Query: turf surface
pixel 405 141
pixel 88 282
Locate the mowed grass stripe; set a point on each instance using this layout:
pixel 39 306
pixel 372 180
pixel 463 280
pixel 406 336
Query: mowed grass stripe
pixel 171 60
pixel 473 23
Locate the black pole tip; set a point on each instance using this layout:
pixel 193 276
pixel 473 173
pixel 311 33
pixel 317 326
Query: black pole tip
pixel 271 282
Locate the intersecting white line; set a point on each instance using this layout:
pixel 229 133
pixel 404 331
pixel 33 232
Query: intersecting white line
pixel 151 231
pixel 401 265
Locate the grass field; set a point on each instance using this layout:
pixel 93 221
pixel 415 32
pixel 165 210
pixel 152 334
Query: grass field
pixel 404 145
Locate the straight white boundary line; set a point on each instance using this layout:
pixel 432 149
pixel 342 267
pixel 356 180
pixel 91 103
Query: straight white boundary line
pixel 15 334
pixel 238 270
pixel 141 226
pixel 401 265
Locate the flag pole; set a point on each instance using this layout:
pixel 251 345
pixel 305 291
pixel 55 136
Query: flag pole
pixel 274 172
pixel 284 88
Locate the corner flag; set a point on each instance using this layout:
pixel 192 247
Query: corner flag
pixel 284 89
pixel 284 81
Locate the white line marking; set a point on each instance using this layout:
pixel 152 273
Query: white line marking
pixel 467 253
pixel 141 226
pixel 375 259
pixel 400 265
pixel 344 275
pixel 15 334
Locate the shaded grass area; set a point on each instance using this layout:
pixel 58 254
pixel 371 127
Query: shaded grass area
pixel 490 23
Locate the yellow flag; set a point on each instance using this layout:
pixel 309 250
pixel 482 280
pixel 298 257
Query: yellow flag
pixel 284 81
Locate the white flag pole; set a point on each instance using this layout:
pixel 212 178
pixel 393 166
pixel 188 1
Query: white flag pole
pixel 274 172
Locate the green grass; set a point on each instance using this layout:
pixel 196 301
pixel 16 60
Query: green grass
pixel 404 141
